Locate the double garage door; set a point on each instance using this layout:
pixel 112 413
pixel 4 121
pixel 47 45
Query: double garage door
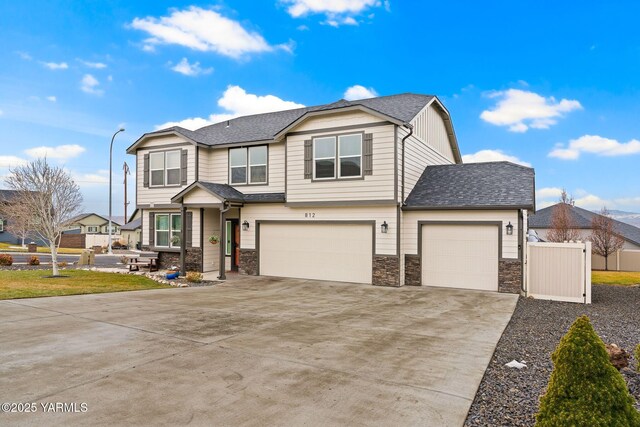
pixel 460 256
pixel 341 252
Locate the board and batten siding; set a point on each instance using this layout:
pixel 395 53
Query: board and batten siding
pixel 385 243
pixel 378 186
pixel 428 126
pixel 195 224
pixel 218 160
pixel 410 226
pixel 162 195
pixel 417 156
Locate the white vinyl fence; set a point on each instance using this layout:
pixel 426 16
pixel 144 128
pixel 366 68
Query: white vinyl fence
pixel 559 271
pixel 100 240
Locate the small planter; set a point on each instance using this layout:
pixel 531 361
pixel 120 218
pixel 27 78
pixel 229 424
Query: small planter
pixel 214 239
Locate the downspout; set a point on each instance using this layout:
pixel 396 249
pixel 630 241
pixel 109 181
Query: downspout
pixel 183 239
pixel 223 239
pixel 410 127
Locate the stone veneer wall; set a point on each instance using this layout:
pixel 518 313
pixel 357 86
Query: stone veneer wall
pixel 412 270
pixel 386 270
pixel 509 276
pixel 193 261
pixel 248 262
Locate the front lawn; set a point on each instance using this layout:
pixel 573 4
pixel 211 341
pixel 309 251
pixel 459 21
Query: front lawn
pixel 622 278
pixel 32 283
pixel 7 247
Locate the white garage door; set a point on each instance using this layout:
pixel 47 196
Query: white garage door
pixel 330 251
pixel 460 256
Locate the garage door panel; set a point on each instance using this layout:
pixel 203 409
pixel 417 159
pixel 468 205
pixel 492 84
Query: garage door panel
pixel 460 256
pixel 336 252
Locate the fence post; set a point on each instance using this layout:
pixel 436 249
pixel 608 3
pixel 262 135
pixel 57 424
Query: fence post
pixel 587 271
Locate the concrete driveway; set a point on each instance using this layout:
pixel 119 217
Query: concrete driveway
pixel 251 351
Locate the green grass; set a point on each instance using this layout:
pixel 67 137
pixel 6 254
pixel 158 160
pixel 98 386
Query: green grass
pixel 32 283
pixel 6 247
pixel 620 278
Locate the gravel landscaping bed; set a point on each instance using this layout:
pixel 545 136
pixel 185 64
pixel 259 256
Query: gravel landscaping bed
pixel 508 396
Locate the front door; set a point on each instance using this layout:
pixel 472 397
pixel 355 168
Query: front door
pixel 232 249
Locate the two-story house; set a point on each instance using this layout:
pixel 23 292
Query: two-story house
pixel 369 191
pixel 92 223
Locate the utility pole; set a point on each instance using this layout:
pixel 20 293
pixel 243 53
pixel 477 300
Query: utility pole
pixel 126 170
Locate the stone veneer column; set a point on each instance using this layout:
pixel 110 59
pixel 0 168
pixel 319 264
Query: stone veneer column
pixel 248 262
pixel 509 276
pixel 412 270
pixel 386 270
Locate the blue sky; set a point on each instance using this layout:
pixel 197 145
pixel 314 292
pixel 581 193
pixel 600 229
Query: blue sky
pixel 550 84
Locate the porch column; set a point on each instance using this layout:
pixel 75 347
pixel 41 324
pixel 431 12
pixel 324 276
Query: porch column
pixel 223 241
pixel 183 240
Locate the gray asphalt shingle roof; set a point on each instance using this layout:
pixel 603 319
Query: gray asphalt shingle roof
pixel 581 218
pixel 263 127
pixel 132 225
pixel 474 185
pixel 230 194
pixel 7 195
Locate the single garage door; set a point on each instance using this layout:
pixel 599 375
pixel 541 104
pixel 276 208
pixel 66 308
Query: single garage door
pixel 330 251
pixel 460 256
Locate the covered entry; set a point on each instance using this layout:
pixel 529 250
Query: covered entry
pixel 336 251
pixel 460 255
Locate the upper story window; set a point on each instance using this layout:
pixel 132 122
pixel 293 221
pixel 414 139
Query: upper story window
pixel 248 165
pixel 337 156
pixel 164 168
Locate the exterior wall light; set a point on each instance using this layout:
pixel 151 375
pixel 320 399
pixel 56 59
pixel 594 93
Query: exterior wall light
pixel 509 229
pixel 384 227
pixel 245 225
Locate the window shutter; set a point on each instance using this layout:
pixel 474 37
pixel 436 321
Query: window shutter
pixel 183 167
pixel 152 229
pixel 189 230
pixel 145 174
pixel 308 159
pixel 367 154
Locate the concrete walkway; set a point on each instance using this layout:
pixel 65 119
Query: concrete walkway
pixel 251 351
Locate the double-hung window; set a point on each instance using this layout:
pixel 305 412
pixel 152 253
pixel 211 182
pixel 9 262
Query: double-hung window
pixel 248 165
pixel 164 168
pixel 92 229
pixel 337 156
pixel 168 230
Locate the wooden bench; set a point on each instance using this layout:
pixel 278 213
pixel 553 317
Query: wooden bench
pixel 145 260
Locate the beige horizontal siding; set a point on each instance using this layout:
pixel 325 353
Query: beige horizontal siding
pixel 378 186
pixel 162 195
pixel 411 218
pixel 385 243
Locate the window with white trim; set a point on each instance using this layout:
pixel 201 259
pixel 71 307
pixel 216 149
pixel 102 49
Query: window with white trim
pixel 92 229
pixel 165 168
pixel 168 230
pixel 337 156
pixel 248 165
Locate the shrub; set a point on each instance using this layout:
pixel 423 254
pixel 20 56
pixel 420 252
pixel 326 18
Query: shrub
pixel 6 260
pixel 637 354
pixel 585 389
pixel 34 260
pixel 194 277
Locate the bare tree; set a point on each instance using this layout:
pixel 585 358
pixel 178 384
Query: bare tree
pixel 604 238
pixel 563 228
pixel 18 219
pixel 52 198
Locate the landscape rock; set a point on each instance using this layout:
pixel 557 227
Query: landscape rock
pixel 618 356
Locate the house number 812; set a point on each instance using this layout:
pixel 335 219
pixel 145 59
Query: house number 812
pixel 309 214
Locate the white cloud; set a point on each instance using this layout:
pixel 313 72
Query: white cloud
pixel 101 177
pixel 359 92
pixel 89 84
pixel 549 193
pixel 56 66
pixel 97 65
pixel 184 67
pixel 24 55
pixel 61 152
pixel 597 145
pixel 520 110
pixel 202 30
pixel 336 12
pixel 110 78
pixel 52 98
pixel 237 102
pixel 11 161
pixel 492 156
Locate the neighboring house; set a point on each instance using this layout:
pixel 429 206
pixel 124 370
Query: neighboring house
pixel 130 232
pixel 6 197
pixel 629 257
pixel 368 191
pixel 91 223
